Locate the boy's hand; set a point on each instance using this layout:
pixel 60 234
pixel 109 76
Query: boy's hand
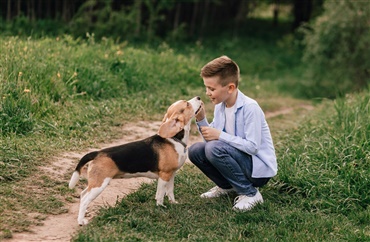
pixel 201 114
pixel 210 133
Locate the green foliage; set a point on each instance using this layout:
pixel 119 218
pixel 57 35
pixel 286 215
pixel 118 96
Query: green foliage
pixel 326 161
pixel 103 22
pixel 22 26
pixel 337 49
pixel 40 75
pixel 98 17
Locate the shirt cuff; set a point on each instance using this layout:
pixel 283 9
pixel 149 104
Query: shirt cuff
pixel 202 122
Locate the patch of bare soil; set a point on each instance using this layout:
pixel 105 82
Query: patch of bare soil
pixel 287 110
pixel 62 227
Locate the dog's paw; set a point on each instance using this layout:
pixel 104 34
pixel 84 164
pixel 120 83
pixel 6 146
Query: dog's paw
pixel 83 222
pixel 161 205
pixel 173 201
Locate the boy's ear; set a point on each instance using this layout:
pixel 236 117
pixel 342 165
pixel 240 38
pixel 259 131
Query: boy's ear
pixel 231 87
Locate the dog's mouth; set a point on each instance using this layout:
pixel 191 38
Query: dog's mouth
pixel 196 112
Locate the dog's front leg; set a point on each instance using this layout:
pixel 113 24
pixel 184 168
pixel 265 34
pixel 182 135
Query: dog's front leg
pixel 161 191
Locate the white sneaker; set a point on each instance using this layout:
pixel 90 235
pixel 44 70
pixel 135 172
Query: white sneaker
pixel 216 192
pixel 245 203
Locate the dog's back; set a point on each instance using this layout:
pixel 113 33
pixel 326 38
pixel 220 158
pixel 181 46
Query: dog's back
pixel 133 157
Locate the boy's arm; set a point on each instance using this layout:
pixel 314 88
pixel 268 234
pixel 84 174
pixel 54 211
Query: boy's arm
pixel 201 119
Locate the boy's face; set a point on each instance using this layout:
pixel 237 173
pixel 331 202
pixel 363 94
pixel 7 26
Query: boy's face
pixel 215 91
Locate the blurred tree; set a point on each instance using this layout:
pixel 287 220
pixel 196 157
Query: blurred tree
pixel 337 48
pixel 154 14
pixel 144 18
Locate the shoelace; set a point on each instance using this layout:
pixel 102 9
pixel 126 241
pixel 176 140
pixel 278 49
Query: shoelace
pixel 238 198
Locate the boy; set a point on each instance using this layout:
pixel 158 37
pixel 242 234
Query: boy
pixel 238 154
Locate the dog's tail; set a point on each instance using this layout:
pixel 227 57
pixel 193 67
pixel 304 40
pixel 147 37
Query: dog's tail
pixel 76 174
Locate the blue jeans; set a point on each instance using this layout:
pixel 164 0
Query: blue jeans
pixel 226 166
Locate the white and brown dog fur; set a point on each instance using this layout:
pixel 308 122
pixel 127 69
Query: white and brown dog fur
pixel 156 157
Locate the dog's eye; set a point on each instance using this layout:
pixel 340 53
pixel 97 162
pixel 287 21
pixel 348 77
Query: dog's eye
pixel 182 110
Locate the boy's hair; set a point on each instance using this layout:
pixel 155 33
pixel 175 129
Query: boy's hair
pixel 225 68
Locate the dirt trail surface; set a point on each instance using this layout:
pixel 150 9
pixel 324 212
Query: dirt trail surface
pixel 62 227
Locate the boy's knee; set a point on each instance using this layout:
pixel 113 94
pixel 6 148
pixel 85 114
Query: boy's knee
pixel 213 149
pixel 194 150
pixel 191 152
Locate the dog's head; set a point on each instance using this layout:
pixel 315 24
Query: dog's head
pixel 178 116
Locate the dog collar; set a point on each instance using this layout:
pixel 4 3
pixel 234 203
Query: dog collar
pixel 178 140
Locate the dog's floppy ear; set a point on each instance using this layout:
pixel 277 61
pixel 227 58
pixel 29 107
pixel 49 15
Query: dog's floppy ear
pixel 170 127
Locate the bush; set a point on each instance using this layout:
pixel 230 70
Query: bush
pixel 337 49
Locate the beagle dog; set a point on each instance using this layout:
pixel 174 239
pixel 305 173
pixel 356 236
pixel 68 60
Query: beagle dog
pixel 156 157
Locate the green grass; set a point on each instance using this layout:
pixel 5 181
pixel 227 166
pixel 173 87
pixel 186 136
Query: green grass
pixel 330 163
pixel 320 193
pixel 281 217
pixel 64 94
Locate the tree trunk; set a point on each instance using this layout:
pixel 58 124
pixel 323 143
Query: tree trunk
pixel 9 10
pixel 302 12
pixel 33 14
pixel 48 9
pixel 194 19
pixel 177 16
pixel 276 13
pixel 153 15
pixel 18 8
pixel 65 12
pixel 39 12
pixel 205 17
pixel 137 10
pixel 56 8
pixel 241 15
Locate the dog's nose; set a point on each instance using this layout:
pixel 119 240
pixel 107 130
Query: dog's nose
pixel 198 98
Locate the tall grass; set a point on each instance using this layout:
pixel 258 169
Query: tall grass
pixel 327 161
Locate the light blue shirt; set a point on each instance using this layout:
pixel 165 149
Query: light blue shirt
pixel 252 134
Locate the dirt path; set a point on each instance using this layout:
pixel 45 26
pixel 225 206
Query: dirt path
pixel 62 227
